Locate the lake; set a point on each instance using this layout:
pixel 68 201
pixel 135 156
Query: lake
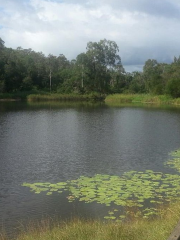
pixel 54 142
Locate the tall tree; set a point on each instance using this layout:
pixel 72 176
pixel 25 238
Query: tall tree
pixel 152 72
pixel 2 63
pixel 102 57
pixel 1 43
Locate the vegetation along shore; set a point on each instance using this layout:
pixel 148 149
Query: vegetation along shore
pixel 110 99
pixel 157 228
pixel 141 98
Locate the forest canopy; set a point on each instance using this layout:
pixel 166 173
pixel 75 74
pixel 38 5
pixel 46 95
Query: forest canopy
pixel 98 69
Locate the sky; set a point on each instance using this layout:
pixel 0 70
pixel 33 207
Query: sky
pixel 142 29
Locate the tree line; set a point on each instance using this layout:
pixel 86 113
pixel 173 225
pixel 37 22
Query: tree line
pixel 99 69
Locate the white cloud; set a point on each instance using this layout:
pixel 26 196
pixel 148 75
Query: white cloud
pixel 142 29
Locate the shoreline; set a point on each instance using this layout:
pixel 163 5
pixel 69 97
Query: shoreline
pixel 10 100
pixel 116 99
pixel 160 227
pixel 111 99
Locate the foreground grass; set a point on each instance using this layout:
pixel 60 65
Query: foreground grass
pixel 158 228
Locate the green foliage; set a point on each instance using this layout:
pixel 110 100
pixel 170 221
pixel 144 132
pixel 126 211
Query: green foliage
pixel 153 77
pixel 24 69
pixel 1 44
pixel 137 85
pixel 27 84
pixel 132 190
pixel 2 86
pixel 139 98
pixel 99 69
pixel 173 87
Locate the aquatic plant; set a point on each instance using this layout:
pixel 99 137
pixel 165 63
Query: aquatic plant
pixel 175 161
pixel 133 190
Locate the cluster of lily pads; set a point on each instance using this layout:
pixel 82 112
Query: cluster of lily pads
pixel 132 191
pixel 175 161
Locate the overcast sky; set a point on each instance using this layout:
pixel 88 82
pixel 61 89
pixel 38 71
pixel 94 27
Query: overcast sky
pixel 143 29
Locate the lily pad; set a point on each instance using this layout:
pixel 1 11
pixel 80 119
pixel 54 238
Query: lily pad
pixel 131 190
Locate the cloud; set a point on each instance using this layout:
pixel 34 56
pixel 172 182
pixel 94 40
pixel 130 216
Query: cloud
pixel 142 29
pixel 159 8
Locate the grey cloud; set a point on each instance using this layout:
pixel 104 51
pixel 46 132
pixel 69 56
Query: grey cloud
pixel 132 68
pixel 18 5
pixel 138 56
pixel 164 8
pixel 160 8
pixel 21 16
pixel 79 2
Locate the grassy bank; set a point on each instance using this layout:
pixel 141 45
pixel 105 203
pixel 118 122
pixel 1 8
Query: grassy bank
pixel 65 97
pixel 141 98
pixel 113 99
pixel 158 228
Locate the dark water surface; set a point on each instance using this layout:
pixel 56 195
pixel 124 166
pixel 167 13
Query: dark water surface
pixel 57 142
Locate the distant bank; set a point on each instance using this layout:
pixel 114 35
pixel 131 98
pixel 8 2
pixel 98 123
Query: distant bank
pixel 113 99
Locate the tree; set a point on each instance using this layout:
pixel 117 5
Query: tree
pixel 152 72
pixel 173 87
pixel 102 57
pixel 2 63
pixel 98 69
pixel 137 84
pixel 172 76
pixel 1 43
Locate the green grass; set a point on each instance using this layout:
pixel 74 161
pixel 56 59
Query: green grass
pixel 158 228
pixel 113 99
pixel 65 97
pixel 139 98
pixel 176 101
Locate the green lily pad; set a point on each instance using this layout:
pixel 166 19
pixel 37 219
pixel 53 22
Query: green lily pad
pixel 131 190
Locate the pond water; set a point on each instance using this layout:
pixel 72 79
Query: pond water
pixel 59 142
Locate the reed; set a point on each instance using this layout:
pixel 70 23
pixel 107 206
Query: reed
pixel 65 97
pixel 139 98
